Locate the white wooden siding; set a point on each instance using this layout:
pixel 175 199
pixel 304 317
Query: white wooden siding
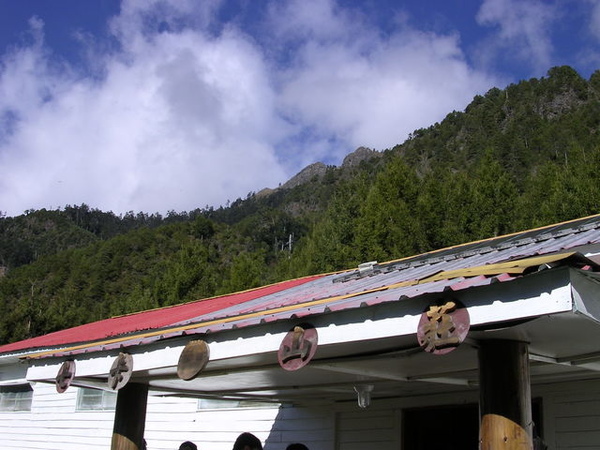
pixel 571 416
pixel 361 429
pixel 571 420
pixel 314 427
pixel 54 423
pixel 170 422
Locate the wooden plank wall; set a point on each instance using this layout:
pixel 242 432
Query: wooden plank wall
pixel 571 420
pixel 53 423
pixel 571 415
pixel 170 422
pixel 361 429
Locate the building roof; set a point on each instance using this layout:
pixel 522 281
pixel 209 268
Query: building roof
pixel 159 318
pixel 452 269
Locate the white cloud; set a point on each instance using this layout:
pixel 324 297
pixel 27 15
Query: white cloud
pixel 588 55
pixel 181 120
pixel 310 19
pixel 349 82
pixel 523 28
pixel 594 19
pixel 186 112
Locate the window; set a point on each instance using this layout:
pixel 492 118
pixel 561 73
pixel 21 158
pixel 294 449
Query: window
pixel 211 403
pixel 96 400
pixel 16 398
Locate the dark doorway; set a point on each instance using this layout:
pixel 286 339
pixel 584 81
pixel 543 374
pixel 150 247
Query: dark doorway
pixel 454 427
pixel 441 428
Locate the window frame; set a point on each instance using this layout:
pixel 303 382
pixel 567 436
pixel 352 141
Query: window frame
pixel 89 399
pixel 208 404
pixel 16 398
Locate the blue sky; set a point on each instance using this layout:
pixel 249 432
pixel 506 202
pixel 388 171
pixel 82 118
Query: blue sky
pixel 156 105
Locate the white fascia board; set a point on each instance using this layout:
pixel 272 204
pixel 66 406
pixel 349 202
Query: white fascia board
pixel 586 294
pixel 491 309
pixel 168 357
pixel 555 301
pixel 47 369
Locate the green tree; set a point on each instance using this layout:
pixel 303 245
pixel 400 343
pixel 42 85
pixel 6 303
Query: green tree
pixel 389 225
pixel 331 244
pixel 246 272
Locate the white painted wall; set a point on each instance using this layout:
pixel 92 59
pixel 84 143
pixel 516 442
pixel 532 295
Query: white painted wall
pixel 170 421
pixel 571 413
pixel 53 423
pixel 366 429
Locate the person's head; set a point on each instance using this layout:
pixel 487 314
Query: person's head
pixel 247 441
pixel 296 446
pixel 188 445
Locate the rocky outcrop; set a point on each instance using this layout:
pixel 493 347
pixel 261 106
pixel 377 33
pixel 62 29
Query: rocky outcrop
pixel 317 171
pixel 313 171
pixel 359 155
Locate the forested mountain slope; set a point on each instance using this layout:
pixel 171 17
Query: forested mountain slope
pixel 515 158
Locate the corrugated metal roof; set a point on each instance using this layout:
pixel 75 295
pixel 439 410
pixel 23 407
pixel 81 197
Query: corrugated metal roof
pixel 148 320
pixel 457 268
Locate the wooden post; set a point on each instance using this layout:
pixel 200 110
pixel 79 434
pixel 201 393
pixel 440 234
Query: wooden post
pixel 130 417
pixel 505 396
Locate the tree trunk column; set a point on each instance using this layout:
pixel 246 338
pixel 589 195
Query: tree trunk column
pixel 130 417
pixel 505 396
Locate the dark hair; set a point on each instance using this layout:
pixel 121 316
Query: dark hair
pixel 188 445
pixel 247 439
pixel 296 446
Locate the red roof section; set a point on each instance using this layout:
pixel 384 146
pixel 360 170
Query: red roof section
pixel 147 320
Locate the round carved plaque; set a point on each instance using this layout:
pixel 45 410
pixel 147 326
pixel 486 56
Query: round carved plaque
pixel 120 371
pixel 65 375
pixel 297 348
pixel 443 327
pixel 193 359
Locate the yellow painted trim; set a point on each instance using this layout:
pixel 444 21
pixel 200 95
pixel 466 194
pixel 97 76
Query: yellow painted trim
pixel 515 267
